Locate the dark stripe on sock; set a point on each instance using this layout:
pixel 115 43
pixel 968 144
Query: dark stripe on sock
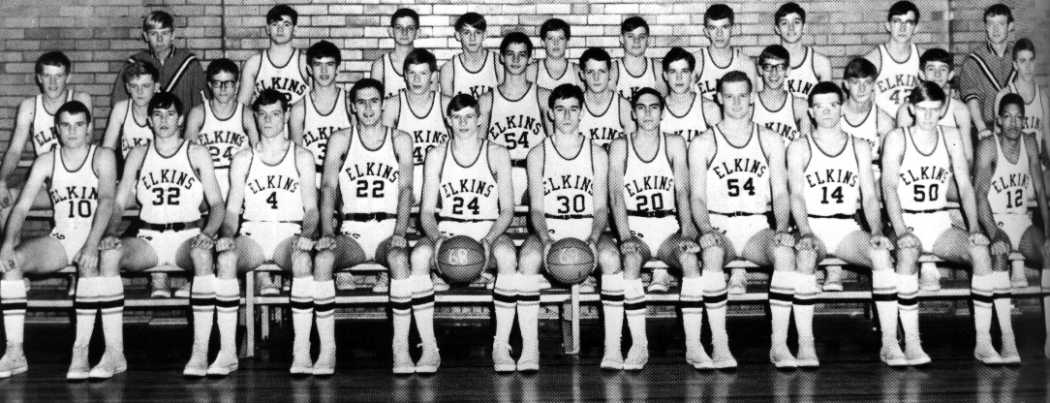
pixel 884 297
pixel 509 299
pixel 981 298
pixel 804 301
pixel 228 303
pixel 529 297
pixel 428 299
pixel 302 305
pixel 907 301
pixel 85 305
pixel 717 298
pixel 321 308
pixel 1002 295
pixel 612 297
pixel 686 304
pixel 401 306
pixel 13 306
pixel 113 303
pixel 634 306
pixel 779 296
pixel 202 301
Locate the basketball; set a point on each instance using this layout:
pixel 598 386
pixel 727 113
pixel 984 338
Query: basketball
pixel 570 261
pixel 461 259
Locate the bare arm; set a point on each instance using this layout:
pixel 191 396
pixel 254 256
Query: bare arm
pixel 431 184
pixel 617 168
pixel 700 151
pixel 297 121
pixel 500 159
pixel 986 160
pixel 1037 179
pixel 797 159
pixel 38 173
pixel 248 73
pixel 304 160
pixel 961 170
pixel 105 165
pixel 200 158
pixel 248 121
pixel 661 85
pixel 376 72
pixel 801 116
pixel 338 144
pixel 403 150
pixel 19 136
pixel 235 195
pixel 537 208
pixel 893 153
pixel 194 122
pixel 962 117
pixel 542 94
pixel 111 139
pixel 869 198
pixel 126 186
pixel 391 110
pixel 446 79
pixel 822 67
pixel 774 148
pixel 600 197
pixel 625 114
pixel 676 149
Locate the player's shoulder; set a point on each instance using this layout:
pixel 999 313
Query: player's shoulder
pixel 28 105
pixel 303 154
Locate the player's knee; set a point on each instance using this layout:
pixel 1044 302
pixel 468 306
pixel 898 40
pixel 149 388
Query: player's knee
pixel 530 259
pixel 324 258
pixel 608 260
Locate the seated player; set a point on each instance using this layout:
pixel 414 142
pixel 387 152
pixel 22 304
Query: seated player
pixel 789 118
pixel 1008 173
pixel 737 169
pixel 469 178
pixel 567 199
pixel 606 115
pixel 80 179
pixel 650 207
pixel 278 223
pixel 918 163
pixel 363 171
pixel 170 178
pixel 830 179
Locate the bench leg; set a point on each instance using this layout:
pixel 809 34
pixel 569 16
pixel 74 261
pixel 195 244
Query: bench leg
pixel 264 325
pixel 571 313
pixel 249 315
pixel 1045 279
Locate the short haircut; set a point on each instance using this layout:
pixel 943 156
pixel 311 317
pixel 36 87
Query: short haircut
pixel 555 24
pixel 223 65
pixel 565 91
pixel 788 9
pixel 1011 99
pixel 73 108
pixel 323 49
pixel 719 11
pixel 140 68
pixel 461 101
pixel 825 87
pixel 515 37
pixel 677 53
pixel 998 9
pixel 735 76
pixel 157 19
pixel 775 52
pixel 598 54
pixel 471 19
pixel 860 67
pixel 52 58
pixel 646 91
pixel 282 10
pixel 164 100
pixel 419 56
pixel 927 91
pixel 903 7
pixel 936 55
pixel 269 96
pixel 1023 44
pixel 402 13
pixel 633 23
pixel 364 84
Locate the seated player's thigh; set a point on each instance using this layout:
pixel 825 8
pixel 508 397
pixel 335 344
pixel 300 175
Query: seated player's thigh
pixel 40 256
pixel 136 255
pixel 759 248
pixel 282 253
pixel 669 252
pixel 502 249
pixel 346 253
pixel 953 245
pixel 855 249
pixel 530 255
pixel 1031 246
pixel 249 254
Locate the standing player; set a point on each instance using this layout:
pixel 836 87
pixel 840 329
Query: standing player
pixel 686 114
pixel 123 125
pixel 812 67
pixel 364 168
pixel 606 115
pixel 473 71
pixel 830 178
pixel 861 116
pixel 469 178
pixel 721 57
pixel 1036 102
pixel 170 178
pixel 988 68
pixel 789 119
pixel 308 124
pixel 404 26
pixel 273 189
pixel 649 198
pixel 737 168
pixel 80 180
pixel 898 58
pixel 266 69
pixel 635 70
pixel 936 66
pixel 918 162
pixel 179 70
pixel 555 35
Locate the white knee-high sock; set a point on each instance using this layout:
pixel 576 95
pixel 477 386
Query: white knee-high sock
pixel 324 312
pixel 302 301
pixel 612 308
pixel 715 299
pixel 423 308
pixel 982 290
pixel 781 295
pixel 529 309
pixel 86 304
pixel 806 293
pixel 1003 304
pixel 13 303
pixel 227 301
pixel 884 292
pixel 908 304
pixel 401 307
pixel 635 309
pixel 504 299
pixel 691 299
pixel 202 298
pixel 111 304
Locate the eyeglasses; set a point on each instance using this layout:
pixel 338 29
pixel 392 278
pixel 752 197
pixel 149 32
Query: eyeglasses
pixel 405 28
pixel 222 85
pixel 773 67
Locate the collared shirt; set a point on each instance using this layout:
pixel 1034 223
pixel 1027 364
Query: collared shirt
pixel 191 81
pixel 983 74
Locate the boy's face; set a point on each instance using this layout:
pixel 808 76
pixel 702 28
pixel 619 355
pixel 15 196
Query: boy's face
pixel 773 72
pixel 464 122
pixel 404 31
pixel 555 43
pixel 927 114
pixel 165 122
pixel 826 110
pixel 860 88
pixel 470 38
pixel 515 58
pixel 368 106
pixel 596 75
pixel 323 71
pixel 566 114
pixel 223 86
pixel 790 28
pixel 998 28
pixel 902 27
pixel 719 32
pixel 635 42
pixel 280 31
pixel 53 80
pixel 270 119
pixel 647 112
pixel 419 78
pixel 679 76
pixel 159 38
pixel 1025 63
pixel 938 72
pixel 73 129
pixel 141 89
pixel 1011 120
pixel 735 98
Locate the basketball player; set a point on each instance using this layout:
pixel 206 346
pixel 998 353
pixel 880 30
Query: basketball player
pixel 935 65
pixel 170 178
pixel 830 179
pixel 555 68
pixel 737 170
pixel 1036 102
pixel 469 177
pixel 606 115
pixel 789 119
pixel 861 117
pixel 179 70
pixel 514 114
pixel 80 180
pixel 811 67
pixel 473 71
pixel 123 125
pixel 272 187
pixel 650 206
pixel 364 168
pixel 988 68
pixel 1008 173
pixel 720 57
pixel 280 66
pixel 898 58
pixel 323 110
pixel 635 70
pixel 404 26
pixel 917 164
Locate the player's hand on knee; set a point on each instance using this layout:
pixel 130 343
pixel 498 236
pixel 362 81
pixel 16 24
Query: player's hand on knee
pixel 7 259
pixel 999 247
pixel 880 242
pixel 326 242
pixel 784 238
pixel 708 240
pixel 688 246
pixel 87 258
pixel 304 243
pixel 978 239
pixel 224 244
pixel 109 243
pixel 908 240
pixel 203 241
pixel 806 243
pixel 629 247
pixel 5 196
pixel 398 241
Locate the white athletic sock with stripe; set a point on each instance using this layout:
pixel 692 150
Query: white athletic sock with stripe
pixel 781 295
pixel 86 304
pixel 635 309
pixel 981 291
pixel 13 301
pixel 908 304
pixel 324 313
pixel 691 299
pixel 401 307
pixel 529 310
pixel 423 307
pixel 202 299
pixel 1003 304
pixel 111 302
pixel 715 295
pixel 227 301
pixel 612 308
pixel 806 292
pixel 884 292
pixel 302 301
pixel 504 299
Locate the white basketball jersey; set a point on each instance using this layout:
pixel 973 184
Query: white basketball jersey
pixel 1033 112
pixel 545 79
pixel 831 182
pixel 168 189
pixel 867 129
pixel 271 192
pixel 711 72
pixel 802 77
pixel 948 118
pixel 223 137
pixel 568 183
pixel 604 126
pixel 690 124
pixel 369 178
pixel 896 80
pixel 924 177
pixel 317 126
pixel 648 185
pixel 73 192
pixel 516 123
pixel 468 192
pixel 132 134
pixel 288 78
pixel 738 178
pixel 627 84
pixel 475 82
pixel 780 120
pixel 1011 185
pixel 393 80
pixel 427 130
pixel 43 131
